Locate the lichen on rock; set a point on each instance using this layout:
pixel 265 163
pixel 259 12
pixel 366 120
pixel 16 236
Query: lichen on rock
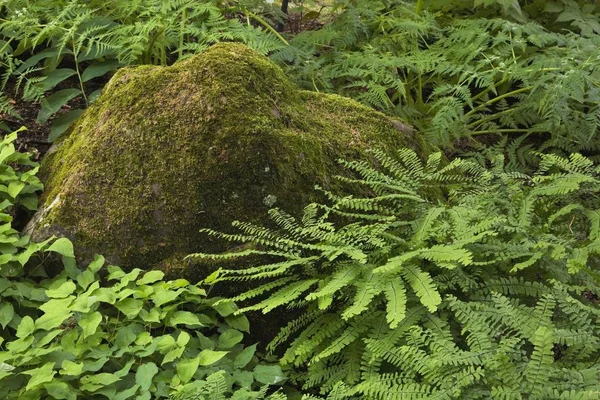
pixel 166 151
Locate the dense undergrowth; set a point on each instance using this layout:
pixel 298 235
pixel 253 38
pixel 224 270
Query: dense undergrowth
pixel 471 273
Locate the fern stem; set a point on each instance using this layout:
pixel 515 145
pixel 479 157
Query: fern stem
pixel 78 72
pixel 489 89
pixel 488 131
pixel 181 34
pixel 420 91
pixel 267 26
pixel 490 117
pixel 419 6
pixel 497 99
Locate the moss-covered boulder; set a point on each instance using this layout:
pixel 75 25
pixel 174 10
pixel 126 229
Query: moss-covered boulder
pixel 166 151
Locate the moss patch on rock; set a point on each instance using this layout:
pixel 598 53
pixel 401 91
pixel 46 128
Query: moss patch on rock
pixel 166 151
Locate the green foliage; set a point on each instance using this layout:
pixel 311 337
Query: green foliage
pixel 18 189
pixel 456 77
pixel 579 16
pixel 70 337
pixel 101 332
pixel 463 279
pixel 67 47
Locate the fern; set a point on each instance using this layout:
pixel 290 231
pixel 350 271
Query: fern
pixel 469 283
pixel 460 74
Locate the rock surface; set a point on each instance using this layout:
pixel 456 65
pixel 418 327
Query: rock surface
pixel 166 151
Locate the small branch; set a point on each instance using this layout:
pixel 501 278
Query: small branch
pixel 267 26
pixel 497 99
pixel 419 6
pixel 490 118
pixel 485 132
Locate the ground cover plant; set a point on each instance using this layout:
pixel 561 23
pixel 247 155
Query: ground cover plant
pixel 56 51
pixel 458 76
pixel 468 279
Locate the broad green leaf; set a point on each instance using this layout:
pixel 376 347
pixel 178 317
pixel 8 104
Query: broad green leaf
pixel 126 394
pixel 57 305
pixel 20 345
pixel 89 323
pixel 230 338
pixel 150 316
pixel 165 296
pixel 96 264
pixel 98 69
pixel 71 368
pixel 105 295
pixel 225 308
pixel 58 389
pixel 55 77
pixel 183 339
pixel 144 375
pixel 150 277
pixel 269 374
pixel 94 95
pixel 6 367
pixel 55 102
pixel 184 318
pixel 26 327
pixel 50 52
pixel 49 337
pixel 102 379
pixel 96 365
pixel 40 375
pixel 126 335
pixel 244 378
pixel 61 124
pixel 186 368
pixel 62 291
pixel 7 312
pixel 165 344
pixel 173 355
pixel 53 318
pixel 209 357
pixel 62 246
pixel 85 279
pixel 130 307
pixel 242 359
pixel 239 322
pixel 14 188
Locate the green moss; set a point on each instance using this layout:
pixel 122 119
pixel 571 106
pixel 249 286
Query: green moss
pixel 166 151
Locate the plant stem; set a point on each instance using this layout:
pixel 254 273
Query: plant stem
pixel 490 117
pixel 489 89
pixel 266 25
pixel 79 72
pixel 181 34
pixel 485 132
pixel 420 92
pixel 497 99
pixel 419 6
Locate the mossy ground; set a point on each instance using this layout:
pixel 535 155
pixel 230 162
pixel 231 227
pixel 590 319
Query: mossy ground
pixel 166 151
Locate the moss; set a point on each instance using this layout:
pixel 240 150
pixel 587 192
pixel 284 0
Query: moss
pixel 166 151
